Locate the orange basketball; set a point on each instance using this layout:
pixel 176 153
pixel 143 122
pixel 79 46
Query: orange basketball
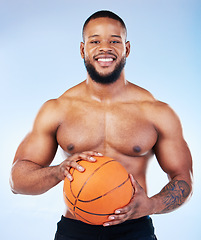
pixel 97 192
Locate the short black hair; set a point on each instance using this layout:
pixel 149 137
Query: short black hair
pixel 103 14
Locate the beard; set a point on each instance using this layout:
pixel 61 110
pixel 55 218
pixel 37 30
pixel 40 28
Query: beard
pixel 107 78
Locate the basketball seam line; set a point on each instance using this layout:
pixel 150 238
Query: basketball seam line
pixel 76 197
pixel 104 193
pixel 97 214
pixel 89 178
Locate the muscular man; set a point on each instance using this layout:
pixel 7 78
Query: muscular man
pixel 106 114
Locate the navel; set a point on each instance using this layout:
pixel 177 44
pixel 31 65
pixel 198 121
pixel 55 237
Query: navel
pixel 137 149
pixel 70 147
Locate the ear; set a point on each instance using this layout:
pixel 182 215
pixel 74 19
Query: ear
pixel 128 46
pixel 82 50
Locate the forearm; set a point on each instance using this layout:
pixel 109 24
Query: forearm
pixel 173 195
pixel 32 179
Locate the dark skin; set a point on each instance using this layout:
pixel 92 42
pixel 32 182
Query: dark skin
pixel 119 120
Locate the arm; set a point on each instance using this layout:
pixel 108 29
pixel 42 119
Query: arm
pixel 31 171
pixel 174 158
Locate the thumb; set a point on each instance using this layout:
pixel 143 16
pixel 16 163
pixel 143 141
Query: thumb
pixel 134 183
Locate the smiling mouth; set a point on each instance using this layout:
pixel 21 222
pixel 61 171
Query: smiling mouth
pixel 105 59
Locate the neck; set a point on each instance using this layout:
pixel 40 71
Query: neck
pixel 106 92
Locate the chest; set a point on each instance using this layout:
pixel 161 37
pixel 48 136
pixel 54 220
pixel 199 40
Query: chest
pixel 122 128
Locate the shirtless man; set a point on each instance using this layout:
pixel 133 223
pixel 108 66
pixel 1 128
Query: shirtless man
pixel 108 115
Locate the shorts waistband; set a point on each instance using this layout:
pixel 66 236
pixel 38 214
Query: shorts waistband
pixel 66 224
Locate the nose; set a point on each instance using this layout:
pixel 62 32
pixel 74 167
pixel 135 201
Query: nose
pixel 105 46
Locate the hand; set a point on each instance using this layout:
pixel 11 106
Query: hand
pixel 139 206
pixel 71 162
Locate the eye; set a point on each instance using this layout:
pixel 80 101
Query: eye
pixel 115 41
pixel 95 42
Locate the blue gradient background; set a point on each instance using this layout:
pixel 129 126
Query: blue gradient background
pixel 39 60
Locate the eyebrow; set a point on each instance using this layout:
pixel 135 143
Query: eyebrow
pixel 116 36
pixel 96 35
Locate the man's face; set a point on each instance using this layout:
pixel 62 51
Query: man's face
pixel 104 49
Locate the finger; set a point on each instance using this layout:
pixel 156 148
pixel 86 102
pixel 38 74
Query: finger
pixel 74 164
pixel 135 184
pixel 123 210
pixel 106 224
pixel 132 180
pixel 118 217
pixel 94 153
pixel 66 174
pixel 113 220
pixel 130 207
pixel 87 157
pixel 69 176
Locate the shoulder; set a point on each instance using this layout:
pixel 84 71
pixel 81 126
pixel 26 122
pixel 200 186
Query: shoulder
pixel 53 111
pixel 49 108
pixel 164 118
pixel 54 106
pixel 163 112
pixel 73 93
pixel 47 117
pixel 152 107
pixel 139 94
pixel 160 114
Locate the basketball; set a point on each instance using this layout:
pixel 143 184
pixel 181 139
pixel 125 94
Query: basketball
pixel 97 192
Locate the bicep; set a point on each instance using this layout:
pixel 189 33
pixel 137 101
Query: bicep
pixel 171 149
pixel 41 145
pixel 39 148
pixel 174 157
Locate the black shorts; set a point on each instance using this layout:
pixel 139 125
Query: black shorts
pixel 137 229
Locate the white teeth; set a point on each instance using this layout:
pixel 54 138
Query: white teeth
pixel 105 59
